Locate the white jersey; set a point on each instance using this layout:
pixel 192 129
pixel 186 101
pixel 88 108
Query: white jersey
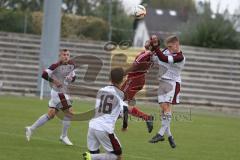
pixel 108 107
pixel 171 65
pixel 64 73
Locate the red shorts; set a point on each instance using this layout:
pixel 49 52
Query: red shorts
pixel 132 85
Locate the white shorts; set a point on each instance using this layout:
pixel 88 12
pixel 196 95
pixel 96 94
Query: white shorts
pixel 168 91
pixel 59 100
pixel 109 142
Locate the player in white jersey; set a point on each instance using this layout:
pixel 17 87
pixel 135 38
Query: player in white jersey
pixel 171 62
pixel 59 75
pixel 109 106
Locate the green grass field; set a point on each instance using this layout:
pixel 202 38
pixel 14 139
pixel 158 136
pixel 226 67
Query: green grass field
pixel 204 137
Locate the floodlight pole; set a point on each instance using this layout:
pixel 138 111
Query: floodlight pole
pixel 49 40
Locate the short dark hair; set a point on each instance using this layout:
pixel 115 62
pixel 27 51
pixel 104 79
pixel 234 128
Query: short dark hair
pixel 116 75
pixel 172 39
pixel 64 50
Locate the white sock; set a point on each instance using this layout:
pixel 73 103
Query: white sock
pixel 66 124
pixel 41 121
pixel 104 156
pixel 166 119
pixel 164 127
pixel 168 130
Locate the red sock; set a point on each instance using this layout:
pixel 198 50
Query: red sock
pixel 134 111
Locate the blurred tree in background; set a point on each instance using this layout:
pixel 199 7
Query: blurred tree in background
pixel 20 10
pixel 73 26
pixel 22 5
pixel 206 29
pixel 79 7
pixel 25 16
pixel 93 19
pixel 121 23
pixel 210 30
pixel 13 21
pixel 84 27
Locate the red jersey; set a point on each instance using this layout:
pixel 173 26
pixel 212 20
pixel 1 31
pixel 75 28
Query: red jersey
pixel 141 64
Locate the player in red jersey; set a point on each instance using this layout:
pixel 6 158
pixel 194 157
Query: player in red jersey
pixel 136 79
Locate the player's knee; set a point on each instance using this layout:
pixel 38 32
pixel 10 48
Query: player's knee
pixel 165 107
pixel 162 105
pixel 51 114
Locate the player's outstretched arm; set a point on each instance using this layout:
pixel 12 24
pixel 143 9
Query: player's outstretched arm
pixel 136 67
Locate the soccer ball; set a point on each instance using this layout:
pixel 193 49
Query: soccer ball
pixel 139 11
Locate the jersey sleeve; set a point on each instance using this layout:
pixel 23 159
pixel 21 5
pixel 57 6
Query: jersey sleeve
pixel 48 72
pixel 142 58
pixel 170 59
pixel 141 61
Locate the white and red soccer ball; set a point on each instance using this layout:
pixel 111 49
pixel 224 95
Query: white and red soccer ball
pixel 139 11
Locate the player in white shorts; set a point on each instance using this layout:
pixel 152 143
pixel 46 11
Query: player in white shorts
pixel 59 75
pixel 109 106
pixel 171 62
